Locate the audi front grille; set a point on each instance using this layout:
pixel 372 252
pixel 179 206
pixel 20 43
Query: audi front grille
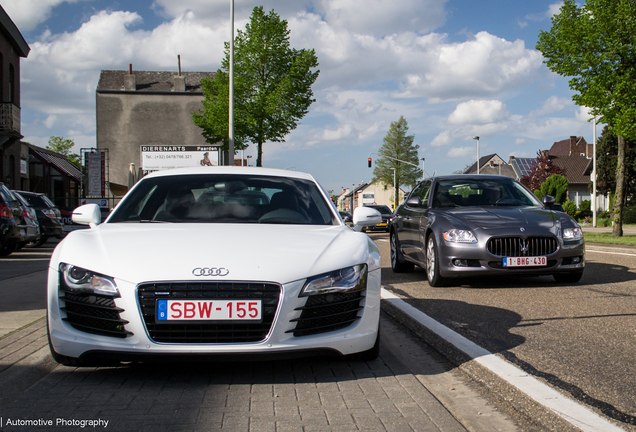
pixel 328 312
pixel 94 313
pixel 518 246
pixel 208 332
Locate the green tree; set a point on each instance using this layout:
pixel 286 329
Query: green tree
pixel 557 186
pixel 594 46
pixel 397 147
pixel 606 161
pixel 63 146
pixel 272 86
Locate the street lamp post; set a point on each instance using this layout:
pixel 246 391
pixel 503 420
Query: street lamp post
pixel 423 172
pixel 230 160
pixel 477 138
pixel 594 176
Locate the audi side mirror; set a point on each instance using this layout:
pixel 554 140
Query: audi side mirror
pixel 548 200
pixel 88 214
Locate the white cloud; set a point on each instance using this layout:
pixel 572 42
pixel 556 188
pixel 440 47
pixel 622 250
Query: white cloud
pixel 479 112
pixel 382 18
pixel 461 151
pixel 442 139
pixel 553 9
pixel 27 14
pixel 553 104
pixel 485 65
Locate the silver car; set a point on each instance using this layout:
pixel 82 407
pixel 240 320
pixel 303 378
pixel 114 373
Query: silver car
pixel 477 225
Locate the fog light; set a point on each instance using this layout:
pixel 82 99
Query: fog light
pixel 460 263
pixel 576 260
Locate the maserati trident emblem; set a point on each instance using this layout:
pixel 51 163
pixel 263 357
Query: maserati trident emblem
pixel 210 271
pixel 524 248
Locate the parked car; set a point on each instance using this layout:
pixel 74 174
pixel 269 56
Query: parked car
pixel 12 224
pixel 264 268
pixel 387 215
pixel 48 214
pixel 30 218
pixel 482 226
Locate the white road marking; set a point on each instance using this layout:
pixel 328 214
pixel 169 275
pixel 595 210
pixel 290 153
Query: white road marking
pixel 568 409
pixel 608 252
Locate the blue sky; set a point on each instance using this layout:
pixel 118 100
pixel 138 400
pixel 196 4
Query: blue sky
pixel 453 68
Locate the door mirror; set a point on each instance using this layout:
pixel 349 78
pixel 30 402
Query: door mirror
pixel 548 200
pixel 365 217
pixel 414 202
pixel 88 214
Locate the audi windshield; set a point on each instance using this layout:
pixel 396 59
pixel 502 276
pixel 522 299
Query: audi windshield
pixel 218 198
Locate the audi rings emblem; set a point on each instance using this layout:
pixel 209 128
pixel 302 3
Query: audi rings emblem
pixel 210 271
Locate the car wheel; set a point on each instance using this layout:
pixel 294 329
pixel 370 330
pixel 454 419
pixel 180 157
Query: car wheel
pixel 398 263
pixel 573 277
pixel 38 243
pixel 6 250
pixel 371 354
pixel 432 263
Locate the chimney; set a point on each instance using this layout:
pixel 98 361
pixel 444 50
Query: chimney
pixel 573 146
pixel 179 83
pixel 179 80
pixel 130 83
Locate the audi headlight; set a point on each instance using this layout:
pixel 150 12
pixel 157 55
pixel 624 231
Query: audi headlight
pixel 572 234
pixel 79 279
pixel 460 236
pixel 344 280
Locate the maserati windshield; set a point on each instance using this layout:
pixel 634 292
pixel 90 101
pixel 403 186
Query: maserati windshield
pixel 220 198
pixel 487 192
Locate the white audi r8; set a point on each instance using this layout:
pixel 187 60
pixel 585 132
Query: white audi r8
pixel 215 261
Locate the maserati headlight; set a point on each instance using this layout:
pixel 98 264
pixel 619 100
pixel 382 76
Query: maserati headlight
pixel 460 236
pixel 344 280
pixel 572 233
pixel 79 279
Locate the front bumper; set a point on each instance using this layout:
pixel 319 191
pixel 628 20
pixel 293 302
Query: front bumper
pixel 466 260
pixel 69 341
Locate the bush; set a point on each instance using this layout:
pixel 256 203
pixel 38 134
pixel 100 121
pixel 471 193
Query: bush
pixel 570 207
pixel 582 214
pixel 557 186
pixel 538 194
pixel 585 205
pixel 629 215
pixel 603 222
pixel 605 214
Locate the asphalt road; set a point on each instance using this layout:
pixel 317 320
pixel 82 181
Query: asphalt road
pixel 578 338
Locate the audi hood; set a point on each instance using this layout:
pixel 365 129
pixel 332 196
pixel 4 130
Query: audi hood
pixel 144 252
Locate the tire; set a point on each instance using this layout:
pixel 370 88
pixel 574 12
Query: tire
pixel 573 277
pixel 398 263
pixel 7 250
pixel 38 243
pixel 432 263
pixel 370 354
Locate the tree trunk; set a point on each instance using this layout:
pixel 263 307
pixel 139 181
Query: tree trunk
pixel 617 230
pixel 259 155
